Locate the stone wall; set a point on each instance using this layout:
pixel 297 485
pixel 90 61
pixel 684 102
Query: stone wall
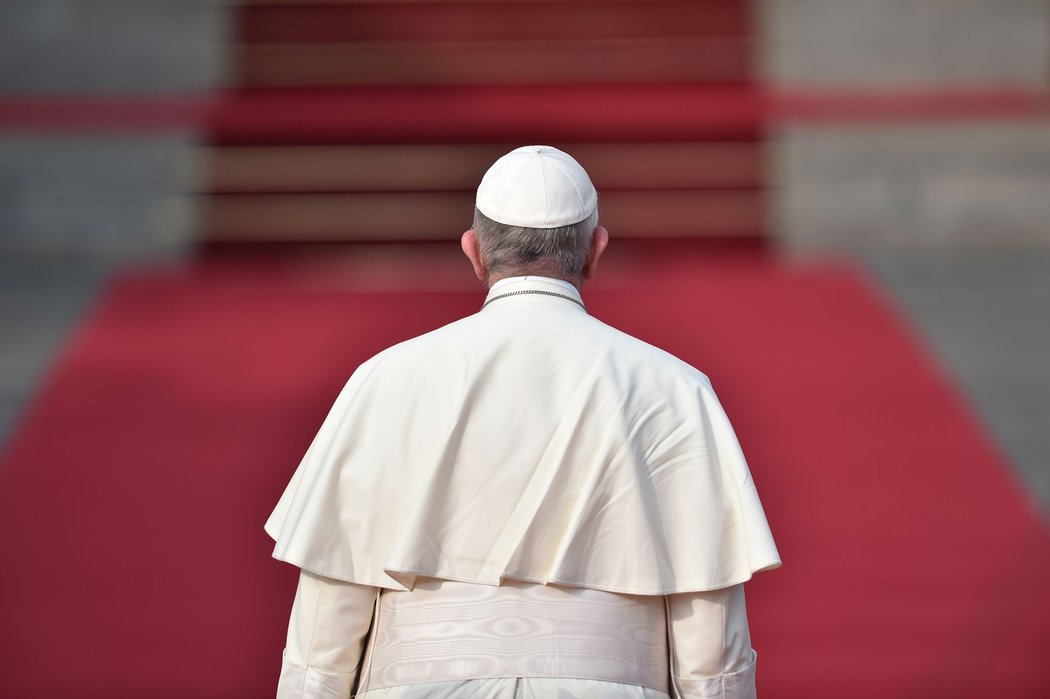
pixel 868 186
pixel 114 196
pixel 906 43
pixel 961 179
pixel 117 193
pixel 112 46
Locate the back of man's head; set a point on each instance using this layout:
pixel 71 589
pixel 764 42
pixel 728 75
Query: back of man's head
pixel 536 212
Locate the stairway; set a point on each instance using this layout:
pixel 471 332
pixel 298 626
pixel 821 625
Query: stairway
pixel 374 121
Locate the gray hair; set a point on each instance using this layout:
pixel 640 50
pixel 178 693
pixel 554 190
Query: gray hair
pixel 561 250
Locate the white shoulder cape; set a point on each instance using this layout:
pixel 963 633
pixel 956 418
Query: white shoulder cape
pixel 527 441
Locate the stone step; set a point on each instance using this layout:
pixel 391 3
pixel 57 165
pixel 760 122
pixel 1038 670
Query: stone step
pixel 451 43
pixel 301 22
pixel 373 216
pixel 547 61
pixel 374 121
pixel 444 167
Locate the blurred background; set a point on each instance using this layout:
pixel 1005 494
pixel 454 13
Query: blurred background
pixel 211 212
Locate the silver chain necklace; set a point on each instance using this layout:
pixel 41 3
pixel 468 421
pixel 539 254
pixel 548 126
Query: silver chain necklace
pixel 534 291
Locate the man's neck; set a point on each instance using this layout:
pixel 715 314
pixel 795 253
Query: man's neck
pixel 575 281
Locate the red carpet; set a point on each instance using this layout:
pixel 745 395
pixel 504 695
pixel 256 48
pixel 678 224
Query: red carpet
pixel 132 498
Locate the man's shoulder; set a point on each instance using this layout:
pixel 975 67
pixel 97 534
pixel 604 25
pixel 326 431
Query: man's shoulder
pixel 419 346
pixel 632 349
pixel 476 334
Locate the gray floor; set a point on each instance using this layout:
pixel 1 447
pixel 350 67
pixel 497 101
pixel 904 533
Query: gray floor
pixel 42 298
pixel 985 315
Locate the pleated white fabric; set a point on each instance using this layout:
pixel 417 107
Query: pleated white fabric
pixel 532 442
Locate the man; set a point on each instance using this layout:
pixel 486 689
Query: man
pixel 525 502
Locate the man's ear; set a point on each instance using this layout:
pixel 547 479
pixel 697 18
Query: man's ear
pixel 598 242
pixel 469 243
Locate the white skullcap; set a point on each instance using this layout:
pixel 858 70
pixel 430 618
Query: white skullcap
pixel 536 187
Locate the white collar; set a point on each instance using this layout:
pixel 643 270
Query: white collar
pixel 534 284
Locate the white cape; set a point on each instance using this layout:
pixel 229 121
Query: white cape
pixel 528 441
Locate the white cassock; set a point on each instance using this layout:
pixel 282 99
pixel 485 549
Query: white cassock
pixel 526 502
